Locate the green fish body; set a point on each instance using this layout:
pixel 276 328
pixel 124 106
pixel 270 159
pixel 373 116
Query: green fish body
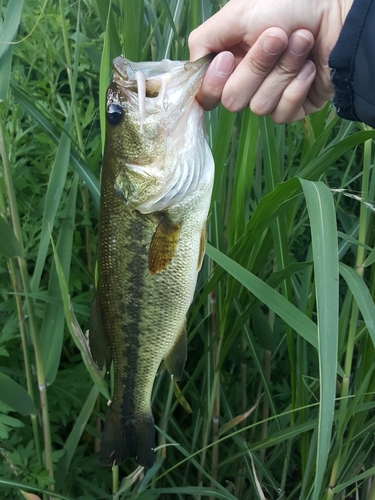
pixel 156 185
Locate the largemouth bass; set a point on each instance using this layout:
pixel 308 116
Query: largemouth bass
pixel 156 185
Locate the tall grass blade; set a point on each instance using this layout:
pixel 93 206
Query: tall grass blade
pixel 272 299
pixel 52 331
pixel 76 161
pixel 170 28
pixel 362 296
pixel 326 271
pixel 133 29
pixel 76 332
pixel 52 201
pixel 316 167
pixel 8 32
pixel 105 70
pixel 72 442
pixel 19 485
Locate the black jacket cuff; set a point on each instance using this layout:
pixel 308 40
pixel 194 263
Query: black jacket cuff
pixel 352 64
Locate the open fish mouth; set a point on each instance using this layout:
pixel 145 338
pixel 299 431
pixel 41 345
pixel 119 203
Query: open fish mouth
pixel 164 86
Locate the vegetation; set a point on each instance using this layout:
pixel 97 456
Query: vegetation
pixel 277 398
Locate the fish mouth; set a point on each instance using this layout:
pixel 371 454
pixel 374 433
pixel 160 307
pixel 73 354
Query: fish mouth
pixel 159 86
pixel 125 71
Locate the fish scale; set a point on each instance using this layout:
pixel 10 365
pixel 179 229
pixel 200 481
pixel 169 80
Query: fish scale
pixel 148 259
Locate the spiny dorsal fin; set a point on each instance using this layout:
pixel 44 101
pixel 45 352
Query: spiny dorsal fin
pixel 163 245
pixel 175 359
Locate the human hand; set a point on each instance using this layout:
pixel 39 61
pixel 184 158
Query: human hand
pixel 274 65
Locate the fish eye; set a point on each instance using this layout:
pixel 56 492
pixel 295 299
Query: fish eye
pixel 114 114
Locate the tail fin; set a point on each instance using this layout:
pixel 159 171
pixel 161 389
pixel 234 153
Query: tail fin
pixel 125 438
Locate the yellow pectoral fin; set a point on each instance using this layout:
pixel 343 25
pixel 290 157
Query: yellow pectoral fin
pixel 163 245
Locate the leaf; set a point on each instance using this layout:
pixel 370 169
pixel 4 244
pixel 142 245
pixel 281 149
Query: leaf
pixel 272 299
pixel 16 396
pixel 52 201
pixel 237 420
pixel 181 398
pixel 10 25
pixel 326 269
pixel 362 296
pixel 18 484
pixel 8 33
pixel 326 158
pixel 105 65
pixel 74 437
pixel 369 473
pixel 83 169
pixel 9 245
pixel 133 11
pixel 52 331
pixel 76 332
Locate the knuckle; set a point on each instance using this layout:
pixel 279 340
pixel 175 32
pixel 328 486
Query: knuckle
pixel 279 119
pixel 230 102
pixel 193 38
pixel 287 70
pixel 258 66
pixel 260 107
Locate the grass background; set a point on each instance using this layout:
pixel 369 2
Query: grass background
pixel 277 400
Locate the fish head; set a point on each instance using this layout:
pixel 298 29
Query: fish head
pixel 151 113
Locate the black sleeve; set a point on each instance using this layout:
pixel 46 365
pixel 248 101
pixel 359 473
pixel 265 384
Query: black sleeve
pixel 352 64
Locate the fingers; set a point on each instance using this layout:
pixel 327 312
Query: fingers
pixel 216 77
pixel 254 69
pixel 284 90
pixel 240 87
pixel 273 77
pixel 294 103
pixel 266 70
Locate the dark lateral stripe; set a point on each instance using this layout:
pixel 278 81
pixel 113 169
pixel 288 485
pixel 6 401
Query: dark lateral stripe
pixel 121 288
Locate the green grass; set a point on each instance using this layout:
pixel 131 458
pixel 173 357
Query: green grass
pixel 277 399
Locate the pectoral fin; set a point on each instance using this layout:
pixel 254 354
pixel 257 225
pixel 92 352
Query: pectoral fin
pixel 163 245
pixel 99 345
pixel 175 359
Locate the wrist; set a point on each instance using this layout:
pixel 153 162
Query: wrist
pixel 345 7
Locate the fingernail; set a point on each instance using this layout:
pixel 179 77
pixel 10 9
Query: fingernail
pixel 224 64
pixel 273 45
pixel 307 70
pixel 298 44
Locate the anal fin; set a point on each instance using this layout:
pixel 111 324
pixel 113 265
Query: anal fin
pixel 175 359
pixel 99 345
pixel 163 244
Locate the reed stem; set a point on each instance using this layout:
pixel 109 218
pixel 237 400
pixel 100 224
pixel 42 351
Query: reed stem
pixel 29 305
